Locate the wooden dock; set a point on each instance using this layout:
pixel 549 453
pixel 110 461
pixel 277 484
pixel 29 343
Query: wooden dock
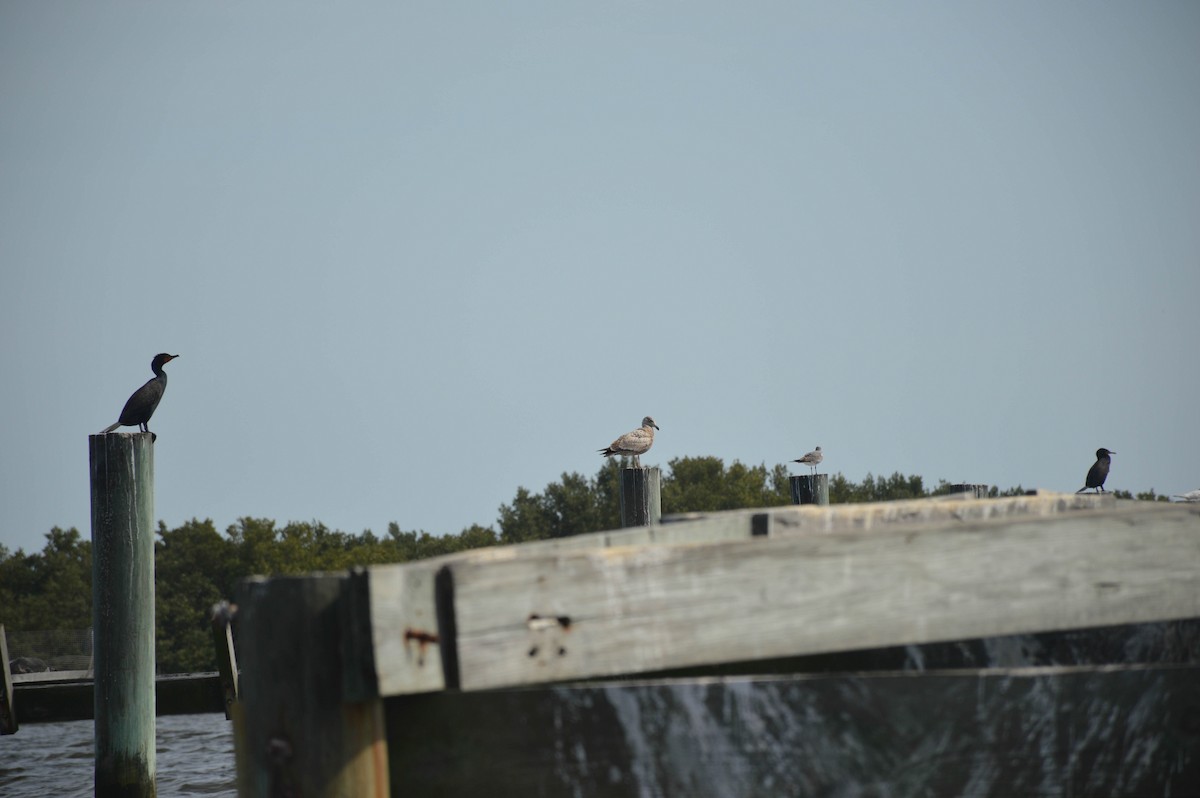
pixel 63 695
pixel 51 696
pixel 735 653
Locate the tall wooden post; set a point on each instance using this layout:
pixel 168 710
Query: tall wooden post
pixel 122 476
pixel 298 735
pixel 8 715
pixel 641 496
pixel 222 632
pixel 810 489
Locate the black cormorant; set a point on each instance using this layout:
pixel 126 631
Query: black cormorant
pixel 1098 472
pixel 141 405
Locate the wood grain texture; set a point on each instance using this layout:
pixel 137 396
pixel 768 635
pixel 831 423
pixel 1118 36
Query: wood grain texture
pixel 647 608
pixel 122 492
pixel 402 652
pixel 296 735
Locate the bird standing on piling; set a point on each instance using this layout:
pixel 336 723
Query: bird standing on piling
pixel 812 459
pixel 635 443
pixel 141 405
pixel 1098 472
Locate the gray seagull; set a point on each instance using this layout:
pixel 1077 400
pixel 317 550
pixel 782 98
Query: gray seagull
pixel 812 459
pixel 634 443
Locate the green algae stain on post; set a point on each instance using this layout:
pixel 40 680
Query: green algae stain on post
pixel 122 484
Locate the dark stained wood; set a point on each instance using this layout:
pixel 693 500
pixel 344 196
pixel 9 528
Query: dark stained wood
pixel 810 489
pixel 8 718
pixel 1046 731
pixel 177 694
pixel 294 732
pixel 641 496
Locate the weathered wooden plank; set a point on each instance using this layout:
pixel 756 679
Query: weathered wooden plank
pixel 1052 731
pixel 403 650
pixel 402 647
pixel 405 655
pixel 51 676
pixel 959 509
pixel 647 608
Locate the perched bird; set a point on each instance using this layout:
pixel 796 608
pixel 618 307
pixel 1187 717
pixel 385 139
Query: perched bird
pixel 1190 496
pixel 812 459
pixel 635 443
pixel 1098 472
pixel 141 405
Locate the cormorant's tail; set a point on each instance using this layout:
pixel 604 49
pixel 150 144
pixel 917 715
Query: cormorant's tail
pixel 1081 490
pixel 110 429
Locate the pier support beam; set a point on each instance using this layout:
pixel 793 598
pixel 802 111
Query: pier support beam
pixel 641 496
pixel 122 482
pixel 298 736
pixel 8 715
pixel 810 489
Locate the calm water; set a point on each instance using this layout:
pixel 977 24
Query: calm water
pixel 195 757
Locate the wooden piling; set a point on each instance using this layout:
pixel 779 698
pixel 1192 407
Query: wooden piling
pixel 641 496
pixel 122 487
pixel 222 632
pixel 298 735
pixel 8 715
pixel 810 489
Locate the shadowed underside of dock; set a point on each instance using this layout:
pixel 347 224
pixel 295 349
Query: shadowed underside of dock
pixel 1122 730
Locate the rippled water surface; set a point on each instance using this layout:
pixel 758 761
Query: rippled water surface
pixel 195 757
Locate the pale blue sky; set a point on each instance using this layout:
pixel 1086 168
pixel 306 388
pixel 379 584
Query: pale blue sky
pixel 417 255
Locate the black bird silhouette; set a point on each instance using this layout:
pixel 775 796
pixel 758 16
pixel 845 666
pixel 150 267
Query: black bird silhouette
pixel 141 405
pixel 1098 472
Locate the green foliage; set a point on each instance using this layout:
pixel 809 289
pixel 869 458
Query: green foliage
pixel 50 590
pixel 409 546
pixel 194 568
pixel 570 507
pixel 704 484
pixel 883 489
pixel 1144 496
